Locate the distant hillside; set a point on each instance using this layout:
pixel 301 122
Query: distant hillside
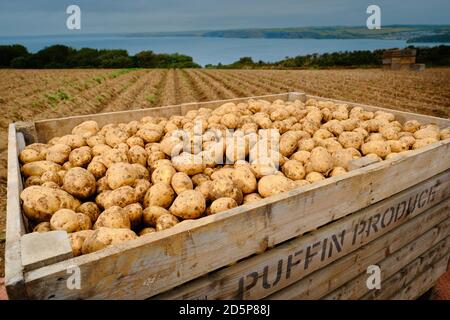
pixel 432 38
pixel 393 32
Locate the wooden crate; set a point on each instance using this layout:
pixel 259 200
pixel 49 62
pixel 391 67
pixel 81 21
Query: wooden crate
pixel 311 242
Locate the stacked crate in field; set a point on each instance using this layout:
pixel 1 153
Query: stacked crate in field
pixel 401 60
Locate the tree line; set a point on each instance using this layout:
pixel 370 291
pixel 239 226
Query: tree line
pixel 434 56
pixel 60 56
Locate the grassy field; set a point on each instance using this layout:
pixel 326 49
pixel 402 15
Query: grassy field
pixel 42 94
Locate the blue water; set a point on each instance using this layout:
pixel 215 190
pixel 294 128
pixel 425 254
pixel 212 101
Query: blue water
pixel 211 50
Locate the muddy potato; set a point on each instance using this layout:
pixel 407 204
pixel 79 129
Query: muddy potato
pixel 159 194
pixel 273 184
pixel 226 188
pixel 97 169
pixel 137 154
pixel 223 173
pixel 51 176
pixel 411 126
pixel 113 217
pixel 40 203
pixel 42 227
pixel 112 156
pixel 181 182
pixel 389 132
pixel 155 156
pixel 321 160
pixel 50 184
pixel 37 168
pixel 73 141
pixel 86 129
pixel 188 163
pixel 100 149
pixel 102 185
pixel 222 204
pixel 146 231
pixel 420 143
pixel 77 240
pixel 134 212
pixel 408 140
pixel 244 179
pixel 314 177
pixel 151 214
pixel 70 221
pixel 79 182
pixel 301 156
pixel 288 143
pixel 426 133
pixel 199 178
pixel 115 136
pixel 251 197
pixel 374 156
pixel 89 209
pixel 104 237
pixel 300 183
pixel 189 204
pixel 337 171
pixel 306 145
pixel 95 140
pixel 121 174
pixel 397 146
pixel 342 158
pixel 80 157
pixel 140 189
pixel 380 148
pixel 166 221
pixel 33 181
pixel 294 170
pixel 351 139
pixel 205 188
pixel 163 174
pixel 120 197
pixel 330 144
pixel 30 155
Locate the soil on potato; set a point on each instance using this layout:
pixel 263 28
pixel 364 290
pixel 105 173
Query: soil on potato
pixel 27 95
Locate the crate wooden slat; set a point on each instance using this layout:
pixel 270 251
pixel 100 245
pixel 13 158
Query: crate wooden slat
pixel 156 263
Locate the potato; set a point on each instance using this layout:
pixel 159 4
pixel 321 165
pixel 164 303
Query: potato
pixel 121 174
pixel 374 156
pixel 86 129
pixel 137 154
pixel 50 184
pixel 321 160
pixel 33 181
pixel 189 204
pixel 222 204
pixel 37 168
pixel 397 146
pixel 73 141
pixel 342 158
pixel 116 136
pixel 273 184
pixel 301 156
pixel 80 157
pixel 113 217
pixel 337 171
pixel 223 173
pixel 389 132
pixel 294 170
pixel 205 188
pixel 70 221
pixel 420 143
pixel 120 197
pixel 411 126
pixel 380 148
pixel 149 135
pixel 199 178
pixel 166 221
pixel 104 237
pixel 79 182
pixel 288 143
pixel 244 179
pixel 408 140
pixel 426 133
pixel 89 209
pixel 151 214
pixel 100 149
pixel 147 230
pixel 251 197
pixel 40 203
pixel 188 163
pixel 95 140
pixel 300 183
pixel 30 155
pixel 314 177
pixel 42 227
pixel 159 194
pixel 226 188
pixel 102 185
pixel 351 139
pixel 51 176
pixel 77 240
pixel 263 166
pixel 112 156
pixel 134 212
pixel 181 182
pixel 140 189
pixel 97 169
pixel 306 145
pixel 163 174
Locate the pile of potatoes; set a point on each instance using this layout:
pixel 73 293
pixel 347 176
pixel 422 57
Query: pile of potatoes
pixel 106 185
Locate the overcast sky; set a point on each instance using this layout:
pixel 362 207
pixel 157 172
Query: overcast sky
pixel 44 17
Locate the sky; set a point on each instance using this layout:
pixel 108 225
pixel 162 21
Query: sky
pixel 47 17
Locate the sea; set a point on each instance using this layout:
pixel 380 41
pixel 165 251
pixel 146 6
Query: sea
pixel 208 50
